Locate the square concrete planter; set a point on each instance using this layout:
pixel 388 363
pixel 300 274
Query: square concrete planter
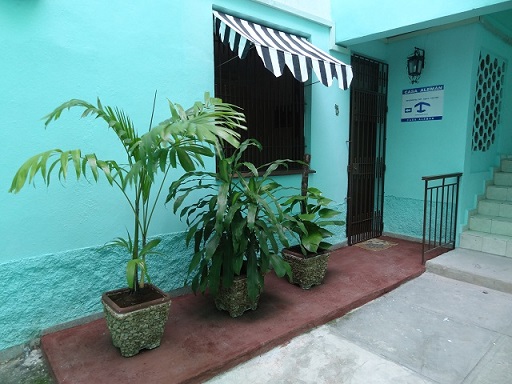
pixel 235 299
pixel 138 326
pixel 307 271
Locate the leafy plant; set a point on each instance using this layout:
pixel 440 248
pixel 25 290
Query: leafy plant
pixel 309 223
pixel 237 222
pixel 181 140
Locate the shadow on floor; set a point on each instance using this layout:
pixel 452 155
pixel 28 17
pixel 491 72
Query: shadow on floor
pixel 200 342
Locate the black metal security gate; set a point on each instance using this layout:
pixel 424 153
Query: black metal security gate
pixel 441 204
pixel 367 143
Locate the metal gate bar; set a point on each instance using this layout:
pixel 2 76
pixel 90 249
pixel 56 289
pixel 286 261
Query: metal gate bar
pixel 366 167
pixel 441 204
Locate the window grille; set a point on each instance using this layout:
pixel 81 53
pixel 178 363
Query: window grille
pixel 488 96
pixel 273 106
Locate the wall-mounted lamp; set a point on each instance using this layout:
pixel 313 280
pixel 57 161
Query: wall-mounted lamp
pixel 415 64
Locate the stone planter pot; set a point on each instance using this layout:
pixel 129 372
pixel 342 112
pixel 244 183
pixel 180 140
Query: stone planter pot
pixel 235 299
pixel 307 271
pixel 139 325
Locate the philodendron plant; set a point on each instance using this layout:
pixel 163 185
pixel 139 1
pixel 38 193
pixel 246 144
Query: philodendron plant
pixel 308 217
pixel 237 226
pixel 181 140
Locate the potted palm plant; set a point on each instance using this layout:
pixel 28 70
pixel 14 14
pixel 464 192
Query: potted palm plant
pixel 308 216
pixel 237 228
pixel 136 315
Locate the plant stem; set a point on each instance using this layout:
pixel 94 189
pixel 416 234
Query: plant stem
pixel 135 254
pixel 152 111
pixel 157 197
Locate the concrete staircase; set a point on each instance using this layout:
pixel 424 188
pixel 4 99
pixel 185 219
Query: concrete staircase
pixel 490 229
pixel 484 256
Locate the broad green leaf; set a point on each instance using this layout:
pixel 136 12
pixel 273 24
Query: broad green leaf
pixel 222 204
pixel 185 160
pixel 306 216
pixel 91 161
pixel 131 270
pixel 280 266
pixel 227 264
pixel 252 211
pixel 253 281
pixel 149 248
pixel 211 246
pixel 76 157
pixel 223 170
pixel 251 168
pixel 326 213
pixel 312 241
pixel 314 191
pixel 196 259
pixel 190 233
pixel 214 275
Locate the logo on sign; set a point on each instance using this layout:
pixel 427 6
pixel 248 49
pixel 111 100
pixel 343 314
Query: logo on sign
pixel 421 105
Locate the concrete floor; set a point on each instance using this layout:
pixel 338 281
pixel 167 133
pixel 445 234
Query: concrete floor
pixel 431 330
pixel 28 367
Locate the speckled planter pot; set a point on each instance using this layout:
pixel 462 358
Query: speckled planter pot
pixel 235 299
pixel 306 271
pixel 137 327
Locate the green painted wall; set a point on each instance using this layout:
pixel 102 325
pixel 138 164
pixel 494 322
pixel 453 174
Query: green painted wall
pixel 424 148
pixel 368 20
pixel 479 165
pixel 416 149
pixel 122 52
pixel 54 51
pixel 56 288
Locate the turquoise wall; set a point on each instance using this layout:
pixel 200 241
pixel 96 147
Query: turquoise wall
pixel 416 149
pixel 122 52
pixel 367 20
pixel 54 51
pixel 424 148
pixel 479 166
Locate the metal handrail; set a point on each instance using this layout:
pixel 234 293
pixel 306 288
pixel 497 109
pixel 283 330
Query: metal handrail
pixel 440 208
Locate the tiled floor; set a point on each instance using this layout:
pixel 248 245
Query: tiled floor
pixel 200 342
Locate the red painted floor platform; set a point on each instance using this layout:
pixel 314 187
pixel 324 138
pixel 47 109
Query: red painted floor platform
pixel 200 342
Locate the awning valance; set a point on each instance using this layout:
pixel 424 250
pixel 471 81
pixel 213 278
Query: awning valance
pixel 277 49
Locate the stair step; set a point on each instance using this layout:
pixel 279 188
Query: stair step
pixel 486 242
pixel 483 269
pixel 497 192
pixel 503 178
pixel 491 224
pixel 506 165
pixel 499 208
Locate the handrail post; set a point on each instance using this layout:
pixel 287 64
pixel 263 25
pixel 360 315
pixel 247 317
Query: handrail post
pixel 424 224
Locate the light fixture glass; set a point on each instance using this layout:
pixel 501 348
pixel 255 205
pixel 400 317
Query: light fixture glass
pixel 415 64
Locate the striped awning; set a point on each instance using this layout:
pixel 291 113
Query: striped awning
pixel 277 49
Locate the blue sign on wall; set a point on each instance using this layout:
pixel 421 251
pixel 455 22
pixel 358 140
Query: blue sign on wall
pixel 423 103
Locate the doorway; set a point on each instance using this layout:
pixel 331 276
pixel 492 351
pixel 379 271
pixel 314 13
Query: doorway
pixel 367 145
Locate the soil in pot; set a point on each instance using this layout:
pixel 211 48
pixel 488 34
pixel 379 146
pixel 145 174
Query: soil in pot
pixel 124 298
